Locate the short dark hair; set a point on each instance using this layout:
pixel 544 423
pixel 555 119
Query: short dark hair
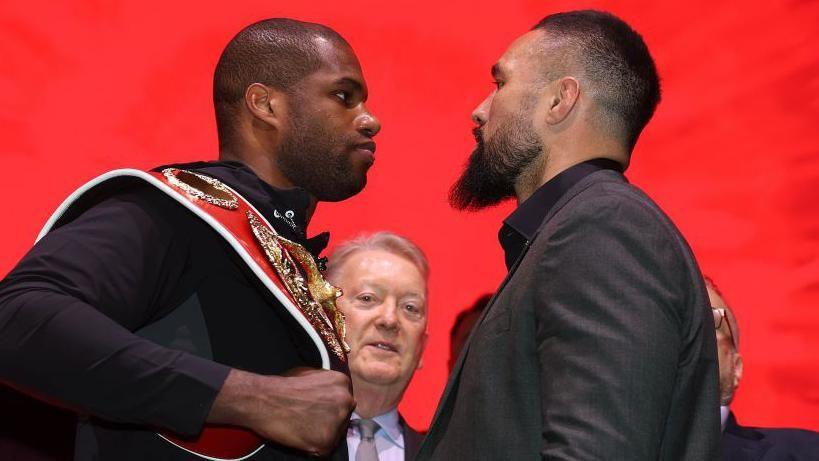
pixel 277 52
pixel 616 60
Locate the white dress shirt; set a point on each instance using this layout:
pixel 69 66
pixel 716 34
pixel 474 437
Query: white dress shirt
pixel 389 438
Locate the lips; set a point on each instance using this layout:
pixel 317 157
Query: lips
pixel 384 346
pixel 368 146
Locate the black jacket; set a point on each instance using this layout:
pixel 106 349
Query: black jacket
pixel 599 345
pixel 741 443
pixel 132 311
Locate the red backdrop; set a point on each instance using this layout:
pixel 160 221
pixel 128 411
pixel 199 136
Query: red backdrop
pixel 732 153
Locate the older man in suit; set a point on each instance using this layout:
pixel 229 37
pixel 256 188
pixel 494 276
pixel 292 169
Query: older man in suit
pixel 599 343
pixel 384 280
pixel 741 443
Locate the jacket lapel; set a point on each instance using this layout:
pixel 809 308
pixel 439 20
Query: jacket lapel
pixel 412 440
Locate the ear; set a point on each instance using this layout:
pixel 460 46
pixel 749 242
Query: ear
pixel 423 347
pixel 565 92
pixel 265 103
pixel 737 369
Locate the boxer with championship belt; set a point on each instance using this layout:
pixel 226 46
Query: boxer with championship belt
pixel 181 312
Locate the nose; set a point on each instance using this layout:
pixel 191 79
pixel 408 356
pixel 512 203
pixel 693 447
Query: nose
pixel 388 317
pixel 481 113
pixel 367 124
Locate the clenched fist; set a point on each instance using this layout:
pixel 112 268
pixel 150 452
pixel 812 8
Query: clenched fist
pixel 308 409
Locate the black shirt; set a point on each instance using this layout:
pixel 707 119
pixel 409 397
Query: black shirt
pixel 134 310
pixel 520 227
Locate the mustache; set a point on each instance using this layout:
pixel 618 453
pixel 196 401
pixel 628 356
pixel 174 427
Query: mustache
pixel 477 132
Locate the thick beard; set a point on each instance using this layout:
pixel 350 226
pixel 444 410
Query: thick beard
pixel 320 162
pixel 495 166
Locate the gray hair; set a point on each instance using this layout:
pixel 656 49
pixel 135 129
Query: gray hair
pixel 383 240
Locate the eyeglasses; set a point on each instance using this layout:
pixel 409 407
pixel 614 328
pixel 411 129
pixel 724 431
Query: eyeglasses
pixel 721 316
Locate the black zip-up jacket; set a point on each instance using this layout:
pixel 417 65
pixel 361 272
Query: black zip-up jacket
pixel 132 310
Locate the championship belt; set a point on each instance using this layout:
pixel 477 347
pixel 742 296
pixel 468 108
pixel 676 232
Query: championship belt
pixel 284 267
pixel 289 265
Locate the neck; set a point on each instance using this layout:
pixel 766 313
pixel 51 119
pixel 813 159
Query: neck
pixel 558 158
pixel 264 167
pixel 372 401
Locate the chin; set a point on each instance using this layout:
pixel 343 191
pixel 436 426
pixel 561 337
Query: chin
pixel 344 191
pixel 379 375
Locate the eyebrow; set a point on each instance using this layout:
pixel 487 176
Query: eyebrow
pixel 379 286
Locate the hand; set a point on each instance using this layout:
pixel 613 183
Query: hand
pixel 307 409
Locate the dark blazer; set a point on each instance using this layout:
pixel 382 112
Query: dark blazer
pixel 412 441
pixel 598 345
pixel 764 444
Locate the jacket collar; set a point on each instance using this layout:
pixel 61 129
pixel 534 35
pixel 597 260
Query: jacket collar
pixel 739 442
pixel 285 209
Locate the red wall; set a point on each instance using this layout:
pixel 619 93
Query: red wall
pixel 732 153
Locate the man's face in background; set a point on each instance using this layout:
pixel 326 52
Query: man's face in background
pixel 730 360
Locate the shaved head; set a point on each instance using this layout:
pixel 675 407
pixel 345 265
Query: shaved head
pixel 277 52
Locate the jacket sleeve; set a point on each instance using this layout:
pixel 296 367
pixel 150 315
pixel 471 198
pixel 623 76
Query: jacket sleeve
pixel 608 307
pixel 67 312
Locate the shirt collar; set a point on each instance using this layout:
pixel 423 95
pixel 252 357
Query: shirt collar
pixel 285 209
pixel 724 411
pixel 520 227
pixel 390 424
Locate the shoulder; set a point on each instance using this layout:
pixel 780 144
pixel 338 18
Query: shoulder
pixel 777 443
pixel 604 210
pixel 607 199
pixel 611 232
pixel 122 205
pixel 796 441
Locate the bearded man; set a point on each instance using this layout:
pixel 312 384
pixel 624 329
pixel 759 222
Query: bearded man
pixel 599 343
pixel 165 307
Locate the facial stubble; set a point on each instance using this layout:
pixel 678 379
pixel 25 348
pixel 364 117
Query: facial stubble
pixel 319 161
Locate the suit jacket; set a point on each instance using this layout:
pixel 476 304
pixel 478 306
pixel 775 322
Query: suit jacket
pixel 741 443
pixel 412 441
pixel 599 344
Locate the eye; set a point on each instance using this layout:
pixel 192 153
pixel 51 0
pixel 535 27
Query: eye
pixel 366 298
pixel 343 96
pixel 413 310
pixel 498 84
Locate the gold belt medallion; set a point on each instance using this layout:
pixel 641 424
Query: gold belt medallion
pixel 315 296
pixel 202 187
